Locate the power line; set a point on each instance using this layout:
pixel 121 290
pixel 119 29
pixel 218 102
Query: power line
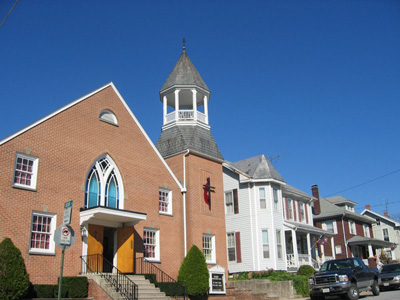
pixel 12 8
pixel 366 182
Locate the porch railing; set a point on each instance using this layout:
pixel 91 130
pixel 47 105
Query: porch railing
pixel 96 263
pixel 304 259
pixel 160 279
pixel 291 261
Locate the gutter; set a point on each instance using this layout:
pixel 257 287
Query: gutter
pixel 344 236
pixel 184 204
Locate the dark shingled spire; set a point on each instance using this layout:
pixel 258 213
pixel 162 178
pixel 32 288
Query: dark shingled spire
pixel 184 73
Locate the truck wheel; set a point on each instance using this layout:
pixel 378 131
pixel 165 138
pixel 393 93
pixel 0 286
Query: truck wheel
pixel 375 288
pixel 352 294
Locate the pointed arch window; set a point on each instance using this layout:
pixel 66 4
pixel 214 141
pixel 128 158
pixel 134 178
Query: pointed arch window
pixel 104 185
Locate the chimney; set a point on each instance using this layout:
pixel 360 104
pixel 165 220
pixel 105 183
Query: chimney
pixel 386 213
pixel 315 193
pixel 368 207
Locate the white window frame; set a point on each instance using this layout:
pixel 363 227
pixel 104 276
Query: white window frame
pixel 290 208
pixel 302 212
pixel 156 244
pixel 212 244
pixel 275 199
pixel 262 201
pixel 383 234
pixel 109 117
pixel 334 226
pixel 352 227
pixel 33 173
pixel 231 244
pixel 279 249
pixel 168 201
pixel 338 249
pixel 53 222
pixel 267 243
pixel 229 207
pixel 367 232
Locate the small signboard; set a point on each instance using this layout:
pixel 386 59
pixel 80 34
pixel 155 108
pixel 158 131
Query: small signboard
pixel 217 280
pixel 64 236
pixel 67 213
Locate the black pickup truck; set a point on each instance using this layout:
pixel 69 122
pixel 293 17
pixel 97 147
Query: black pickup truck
pixel 347 277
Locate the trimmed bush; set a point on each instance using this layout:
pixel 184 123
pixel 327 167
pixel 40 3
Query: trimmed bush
pixel 14 281
pixel 194 274
pixel 43 291
pixel 306 270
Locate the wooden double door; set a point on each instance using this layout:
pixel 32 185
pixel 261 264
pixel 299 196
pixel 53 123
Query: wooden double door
pixel 101 240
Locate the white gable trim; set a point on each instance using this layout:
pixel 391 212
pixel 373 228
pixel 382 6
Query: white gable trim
pixel 380 216
pixel 9 138
pixel 147 138
pixel 84 98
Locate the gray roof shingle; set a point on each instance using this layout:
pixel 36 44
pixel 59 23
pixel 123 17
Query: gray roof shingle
pixel 180 138
pixel 258 167
pixel 184 73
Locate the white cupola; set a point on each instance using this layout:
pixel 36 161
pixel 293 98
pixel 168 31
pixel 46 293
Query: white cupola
pixel 185 96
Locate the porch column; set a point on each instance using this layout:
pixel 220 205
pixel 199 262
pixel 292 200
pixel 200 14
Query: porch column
pixel 206 108
pixel 309 249
pixel 333 247
pixel 165 109
pixel 323 252
pixel 194 92
pixel 295 252
pixel 177 105
pixel 370 252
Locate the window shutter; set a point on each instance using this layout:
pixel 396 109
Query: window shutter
pixel 235 201
pixel 238 249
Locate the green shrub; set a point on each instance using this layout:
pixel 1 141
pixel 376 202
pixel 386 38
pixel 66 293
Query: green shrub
pixel 43 291
pixel 14 281
pixel 306 270
pixel 75 287
pixel 194 273
pixel 300 282
pixel 172 289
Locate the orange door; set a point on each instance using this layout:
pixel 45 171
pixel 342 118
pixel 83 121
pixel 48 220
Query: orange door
pixel 95 246
pixel 125 250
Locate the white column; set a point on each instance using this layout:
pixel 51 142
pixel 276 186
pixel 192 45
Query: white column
pixel 323 252
pixel 309 248
pixel 177 105
pixel 194 92
pixel 370 252
pixel 206 108
pixel 165 109
pixel 333 247
pixel 295 252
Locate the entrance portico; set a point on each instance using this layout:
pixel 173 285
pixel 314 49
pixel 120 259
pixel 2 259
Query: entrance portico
pixel 109 232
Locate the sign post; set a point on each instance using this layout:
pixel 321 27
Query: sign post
pixel 64 237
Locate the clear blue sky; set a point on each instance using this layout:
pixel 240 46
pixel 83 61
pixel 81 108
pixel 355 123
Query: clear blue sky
pixel 315 82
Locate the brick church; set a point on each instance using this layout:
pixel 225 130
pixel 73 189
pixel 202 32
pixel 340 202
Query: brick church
pixel 132 200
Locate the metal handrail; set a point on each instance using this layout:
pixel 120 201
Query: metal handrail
pixel 96 263
pixel 144 267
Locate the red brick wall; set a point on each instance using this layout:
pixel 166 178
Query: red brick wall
pixel 67 145
pixel 200 219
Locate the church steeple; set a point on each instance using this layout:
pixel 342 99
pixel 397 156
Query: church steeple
pixel 185 98
pixel 186 94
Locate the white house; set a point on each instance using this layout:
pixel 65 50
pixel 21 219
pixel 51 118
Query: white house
pixel 269 224
pixel 385 229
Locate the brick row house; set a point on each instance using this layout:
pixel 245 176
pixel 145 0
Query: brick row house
pixel 387 229
pixel 132 200
pixel 269 224
pixel 353 237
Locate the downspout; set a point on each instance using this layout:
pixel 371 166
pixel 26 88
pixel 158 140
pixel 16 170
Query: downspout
pixel 344 237
pixel 184 203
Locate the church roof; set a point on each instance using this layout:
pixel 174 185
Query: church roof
pixel 184 73
pixel 258 167
pixel 180 138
